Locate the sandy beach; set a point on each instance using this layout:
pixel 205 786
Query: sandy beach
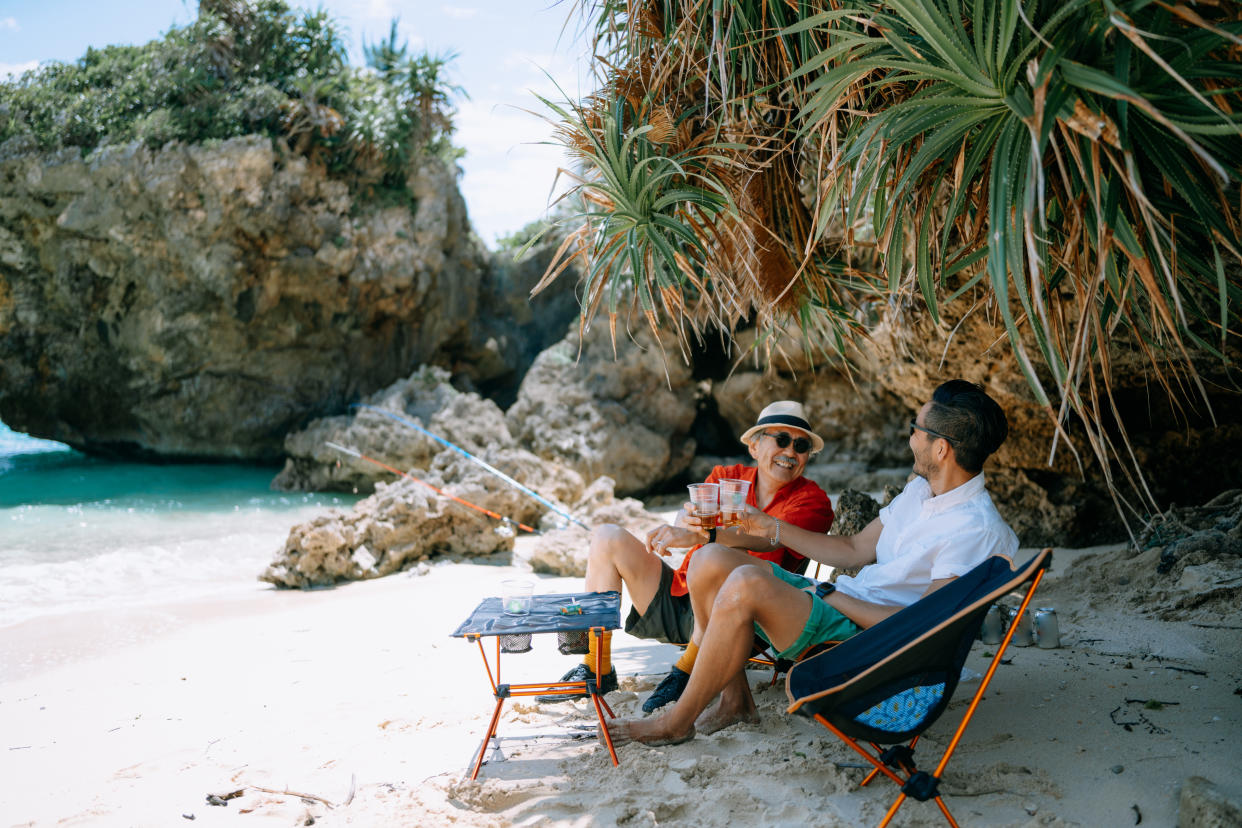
pixel 357 702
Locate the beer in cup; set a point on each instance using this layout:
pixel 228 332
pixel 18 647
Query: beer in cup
pixel 705 498
pixel 733 501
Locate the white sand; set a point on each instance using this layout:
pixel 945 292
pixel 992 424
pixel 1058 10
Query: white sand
pixel 132 718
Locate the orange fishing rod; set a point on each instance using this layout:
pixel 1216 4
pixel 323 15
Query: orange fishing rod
pixel 488 512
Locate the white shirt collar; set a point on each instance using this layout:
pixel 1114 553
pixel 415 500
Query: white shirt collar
pixel 954 497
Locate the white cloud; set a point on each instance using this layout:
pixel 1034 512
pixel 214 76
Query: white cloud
pixel 9 23
pixel 459 12
pixel 380 9
pixel 510 168
pixel 11 71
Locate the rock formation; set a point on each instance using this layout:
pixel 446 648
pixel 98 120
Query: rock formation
pixel 1184 565
pixel 582 410
pixel 407 522
pixel 564 551
pixel 426 398
pixel 401 524
pixel 626 415
pixel 200 301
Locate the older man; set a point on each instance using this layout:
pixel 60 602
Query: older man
pixel 781 443
pixel 940 526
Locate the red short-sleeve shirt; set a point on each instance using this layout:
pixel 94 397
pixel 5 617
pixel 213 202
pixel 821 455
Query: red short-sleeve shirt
pixel 802 503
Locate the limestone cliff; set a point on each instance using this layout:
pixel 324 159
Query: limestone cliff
pixel 203 300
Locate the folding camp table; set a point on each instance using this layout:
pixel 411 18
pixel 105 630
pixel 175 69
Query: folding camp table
pixel 600 611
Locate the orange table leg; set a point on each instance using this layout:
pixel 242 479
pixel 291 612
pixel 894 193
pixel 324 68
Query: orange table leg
pixel 603 725
pixel 491 731
pixel 601 705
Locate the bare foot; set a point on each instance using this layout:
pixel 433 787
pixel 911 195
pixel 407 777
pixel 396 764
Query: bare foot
pixel 720 716
pixel 644 731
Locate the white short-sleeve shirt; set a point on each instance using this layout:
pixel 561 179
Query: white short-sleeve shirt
pixel 927 538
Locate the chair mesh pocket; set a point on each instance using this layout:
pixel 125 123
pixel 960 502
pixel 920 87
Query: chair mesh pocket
pixel 515 643
pixel 903 711
pixel 573 642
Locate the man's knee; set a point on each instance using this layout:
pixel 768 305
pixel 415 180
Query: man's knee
pixel 607 539
pixel 712 564
pixel 606 533
pixel 744 587
pixel 615 549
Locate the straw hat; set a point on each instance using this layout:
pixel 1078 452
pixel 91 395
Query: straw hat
pixel 784 413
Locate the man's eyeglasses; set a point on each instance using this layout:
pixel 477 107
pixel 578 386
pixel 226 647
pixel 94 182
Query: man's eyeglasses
pixel 914 425
pixel 800 444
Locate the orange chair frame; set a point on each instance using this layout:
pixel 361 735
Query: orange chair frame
pixel 911 770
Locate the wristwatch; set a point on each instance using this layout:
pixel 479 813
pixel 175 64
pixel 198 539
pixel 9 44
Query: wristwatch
pixel 824 589
pixel 711 535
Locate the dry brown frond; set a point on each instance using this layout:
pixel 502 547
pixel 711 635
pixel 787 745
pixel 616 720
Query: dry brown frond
pixel 648 21
pixel 662 129
pixel 1094 125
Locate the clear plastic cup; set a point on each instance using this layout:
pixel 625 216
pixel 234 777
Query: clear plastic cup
pixel 515 597
pixel 733 501
pixel 706 500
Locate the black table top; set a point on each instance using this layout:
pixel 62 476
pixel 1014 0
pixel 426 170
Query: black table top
pixel 599 609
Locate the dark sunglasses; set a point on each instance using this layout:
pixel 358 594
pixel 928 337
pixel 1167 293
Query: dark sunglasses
pixel 801 444
pixel 914 425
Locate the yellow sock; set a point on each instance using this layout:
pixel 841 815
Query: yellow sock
pixel 686 662
pixel 599 652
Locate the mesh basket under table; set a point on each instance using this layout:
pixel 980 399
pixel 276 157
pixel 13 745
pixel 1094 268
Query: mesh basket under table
pixel 515 643
pixel 573 642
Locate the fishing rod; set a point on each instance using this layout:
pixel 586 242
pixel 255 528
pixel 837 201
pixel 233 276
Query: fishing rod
pixel 488 512
pixel 473 459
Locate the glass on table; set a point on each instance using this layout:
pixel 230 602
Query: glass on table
pixel 515 596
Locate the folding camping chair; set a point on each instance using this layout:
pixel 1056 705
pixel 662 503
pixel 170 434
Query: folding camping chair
pixel 890 682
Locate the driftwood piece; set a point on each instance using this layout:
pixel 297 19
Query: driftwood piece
pixel 288 792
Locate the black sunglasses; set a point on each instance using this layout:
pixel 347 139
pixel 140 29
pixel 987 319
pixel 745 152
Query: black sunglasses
pixel 914 425
pixel 801 444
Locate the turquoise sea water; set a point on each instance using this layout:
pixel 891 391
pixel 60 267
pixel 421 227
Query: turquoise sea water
pixel 78 533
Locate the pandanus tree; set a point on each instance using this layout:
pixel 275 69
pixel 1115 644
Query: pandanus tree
pixel 1070 167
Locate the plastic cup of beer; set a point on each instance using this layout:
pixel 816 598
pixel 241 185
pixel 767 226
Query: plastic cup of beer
pixel 733 501
pixel 705 498
pixel 515 597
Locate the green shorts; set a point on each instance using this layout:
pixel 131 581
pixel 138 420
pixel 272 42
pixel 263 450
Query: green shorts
pixel 668 618
pixel 825 624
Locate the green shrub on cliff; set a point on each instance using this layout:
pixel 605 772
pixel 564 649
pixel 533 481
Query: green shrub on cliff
pixel 245 68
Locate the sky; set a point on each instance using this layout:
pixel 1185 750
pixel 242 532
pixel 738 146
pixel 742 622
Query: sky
pixel 506 51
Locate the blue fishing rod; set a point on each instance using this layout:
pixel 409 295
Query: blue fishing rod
pixel 472 459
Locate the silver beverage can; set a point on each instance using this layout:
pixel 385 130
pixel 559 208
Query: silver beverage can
pixel 993 629
pixel 1023 635
pixel 1047 631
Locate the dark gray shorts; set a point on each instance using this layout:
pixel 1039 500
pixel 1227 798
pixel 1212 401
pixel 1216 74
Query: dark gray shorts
pixel 668 617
